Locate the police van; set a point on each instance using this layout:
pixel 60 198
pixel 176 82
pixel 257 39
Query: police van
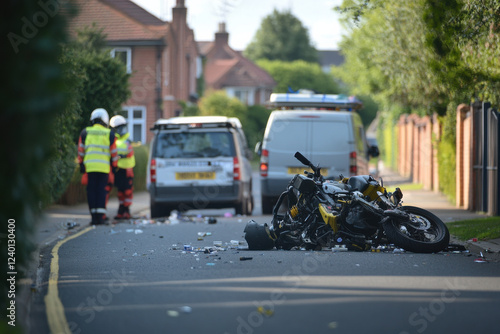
pixel 324 128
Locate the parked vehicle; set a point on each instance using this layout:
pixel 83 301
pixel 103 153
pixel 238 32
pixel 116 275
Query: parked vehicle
pixel 358 212
pixel 199 162
pixel 324 127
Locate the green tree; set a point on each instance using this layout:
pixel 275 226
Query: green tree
pixel 105 78
pixel 281 36
pixel 299 75
pixel 217 103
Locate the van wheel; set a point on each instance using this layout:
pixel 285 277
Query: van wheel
pixel 267 205
pixel 159 210
pixel 244 208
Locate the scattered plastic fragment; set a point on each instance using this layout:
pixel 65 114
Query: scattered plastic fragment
pixel 185 309
pixel 456 248
pixel 480 260
pixel 70 225
pixel 339 248
pixel 265 311
pixel 188 248
pixel 228 214
pixel 333 325
pixel 218 243
pixel 245 258
pixel 137 231
pixel 235 242
pixel 398 250
pixel 210 264
pixel 129 230
pixel 172 313
pixel 210 220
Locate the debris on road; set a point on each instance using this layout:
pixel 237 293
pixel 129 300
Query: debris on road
pixel 267 311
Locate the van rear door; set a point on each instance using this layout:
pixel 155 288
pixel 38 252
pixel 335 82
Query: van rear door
pixel 195 157
pixel 331 144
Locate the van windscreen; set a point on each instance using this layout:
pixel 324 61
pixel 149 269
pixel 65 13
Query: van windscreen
pixel 194 144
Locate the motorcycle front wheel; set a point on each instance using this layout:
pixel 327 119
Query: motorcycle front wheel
pixel 422 232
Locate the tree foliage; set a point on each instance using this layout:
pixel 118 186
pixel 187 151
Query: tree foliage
pixel 105 84
pixel 299 75
pixel 218 103
pixel 34 91
pixel 423 54
pixel 281 36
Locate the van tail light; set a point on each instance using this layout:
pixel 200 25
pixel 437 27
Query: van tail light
pixel 353 167
pixel 152 171
pixel 264 163
pixel 236 169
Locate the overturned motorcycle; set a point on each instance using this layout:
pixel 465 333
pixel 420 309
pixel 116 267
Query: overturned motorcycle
pixel 314 213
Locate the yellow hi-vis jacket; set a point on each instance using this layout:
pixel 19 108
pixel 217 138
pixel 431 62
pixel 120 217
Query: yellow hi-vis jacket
pixel 125 151
pixel 97 149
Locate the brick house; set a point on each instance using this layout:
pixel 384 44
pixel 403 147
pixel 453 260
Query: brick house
pixel 227 69
pixel 161 56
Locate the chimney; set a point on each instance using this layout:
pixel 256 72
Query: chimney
pixel 179 13
pixel 221 37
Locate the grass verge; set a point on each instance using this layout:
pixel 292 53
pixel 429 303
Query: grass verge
pixel 405 186
pixel 482 228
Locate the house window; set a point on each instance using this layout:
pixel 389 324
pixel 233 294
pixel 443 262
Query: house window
pixel 124 55
pixel 245 94
pixel 136 120
pixel 241 95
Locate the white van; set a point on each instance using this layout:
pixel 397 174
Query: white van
pixel 334 139
pixel 199 162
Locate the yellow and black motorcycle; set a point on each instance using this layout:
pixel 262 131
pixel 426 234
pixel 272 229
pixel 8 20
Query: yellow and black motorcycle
pixel 314 213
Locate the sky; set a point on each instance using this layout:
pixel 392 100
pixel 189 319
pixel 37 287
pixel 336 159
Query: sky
pixel 243 18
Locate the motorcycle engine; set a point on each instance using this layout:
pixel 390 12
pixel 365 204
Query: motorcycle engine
pixel 360 221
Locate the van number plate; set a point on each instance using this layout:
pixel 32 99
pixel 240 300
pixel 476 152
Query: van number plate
pixel 300 170
pixel 195 176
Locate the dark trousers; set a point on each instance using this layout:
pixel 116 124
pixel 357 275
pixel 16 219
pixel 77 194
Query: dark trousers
pixel 96 196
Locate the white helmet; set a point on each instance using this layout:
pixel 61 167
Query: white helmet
pixel 117 120
pixel 119 125
pixel 100 113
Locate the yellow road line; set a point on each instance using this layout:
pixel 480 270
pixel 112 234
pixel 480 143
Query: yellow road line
pixel 53 306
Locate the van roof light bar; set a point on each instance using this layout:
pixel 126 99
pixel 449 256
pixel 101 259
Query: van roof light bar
pixel 305 100
pixel 197 122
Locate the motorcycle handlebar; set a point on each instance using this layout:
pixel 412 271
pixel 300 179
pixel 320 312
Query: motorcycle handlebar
pixel 302 159
pixel 306 162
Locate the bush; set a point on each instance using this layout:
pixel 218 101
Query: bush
pixel 141 164
pixel 447 154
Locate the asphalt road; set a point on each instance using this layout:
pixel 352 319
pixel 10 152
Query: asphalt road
pixel 137 278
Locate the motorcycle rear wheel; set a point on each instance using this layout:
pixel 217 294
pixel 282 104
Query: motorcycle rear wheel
pixel 431 236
